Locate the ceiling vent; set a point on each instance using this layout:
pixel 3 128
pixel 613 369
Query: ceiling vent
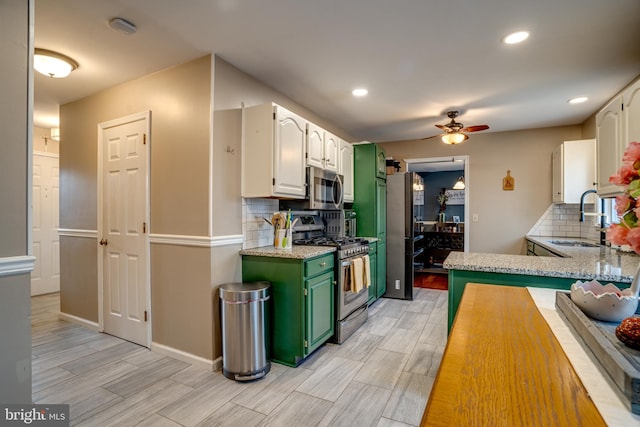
pixel 122 26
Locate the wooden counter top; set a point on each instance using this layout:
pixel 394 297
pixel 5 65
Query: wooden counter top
pixel 504 367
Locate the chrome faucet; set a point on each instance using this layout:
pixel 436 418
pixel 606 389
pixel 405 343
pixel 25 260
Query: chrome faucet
pixel 602 215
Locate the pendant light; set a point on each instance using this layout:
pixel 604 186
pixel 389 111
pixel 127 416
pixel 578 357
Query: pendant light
pixel 459 185
pixel 53 64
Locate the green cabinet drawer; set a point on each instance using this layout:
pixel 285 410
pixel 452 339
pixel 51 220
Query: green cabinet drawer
pixel 318 265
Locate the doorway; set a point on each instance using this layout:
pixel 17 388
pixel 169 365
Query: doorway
pixel 45 277
pixel 123 228
pixel 444 164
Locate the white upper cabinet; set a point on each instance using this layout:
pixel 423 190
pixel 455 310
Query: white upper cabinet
pixel 315 146
pixel 609 141
pixel 617 124
pixel 322 148
pixel 574 170
pixel 331 148
pixel 273 152
pixel 631 122
pixel 345 168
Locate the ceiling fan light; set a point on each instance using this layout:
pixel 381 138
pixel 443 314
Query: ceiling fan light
pixel 459 185
pixel 53 64
pixel 454 138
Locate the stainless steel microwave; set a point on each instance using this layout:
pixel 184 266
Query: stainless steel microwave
pixel 325 190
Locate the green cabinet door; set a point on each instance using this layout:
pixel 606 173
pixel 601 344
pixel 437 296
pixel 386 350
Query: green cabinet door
pixel 381 281
pixel 381 163
pixel 373 272
pixel 370 204
pixel 320 310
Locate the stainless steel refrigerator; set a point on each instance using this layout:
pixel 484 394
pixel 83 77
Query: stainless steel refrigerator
pixel 401 239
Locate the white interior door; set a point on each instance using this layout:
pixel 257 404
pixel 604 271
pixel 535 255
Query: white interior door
pixel 123 229
pixel 45 277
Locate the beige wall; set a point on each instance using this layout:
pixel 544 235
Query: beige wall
pixel 179 101
pixel 16 109
pixel 504 216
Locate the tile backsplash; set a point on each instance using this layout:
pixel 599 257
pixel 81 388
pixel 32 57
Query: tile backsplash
pixel 255 230
pixel 564 221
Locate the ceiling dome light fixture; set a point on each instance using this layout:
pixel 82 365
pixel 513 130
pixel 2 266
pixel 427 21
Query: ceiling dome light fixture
pixel 578 100
pixel 454 138
pixel 360 92
pixel 516 37
pixel 53 64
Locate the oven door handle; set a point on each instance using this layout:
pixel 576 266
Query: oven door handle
pixel 346 263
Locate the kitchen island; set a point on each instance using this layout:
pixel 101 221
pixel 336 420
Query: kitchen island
pixel 503 365
pixel 579 263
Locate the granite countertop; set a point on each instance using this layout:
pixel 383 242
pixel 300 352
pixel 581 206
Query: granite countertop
pixel 296 252
pixel 600 263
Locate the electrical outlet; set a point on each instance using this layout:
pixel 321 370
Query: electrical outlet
pixel 474 218
pixel 397 284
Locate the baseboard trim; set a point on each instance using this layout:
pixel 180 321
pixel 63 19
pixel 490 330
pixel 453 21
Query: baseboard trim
pixel 79 321
pixel 15 265
pixel 213 365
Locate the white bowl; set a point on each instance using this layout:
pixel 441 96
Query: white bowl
pixel 606 303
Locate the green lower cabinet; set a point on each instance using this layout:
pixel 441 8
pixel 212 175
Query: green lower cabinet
pixel 458 279
pixel 381 268
pixel 302 303
pixel 373 266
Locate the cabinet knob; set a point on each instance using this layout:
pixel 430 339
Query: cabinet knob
pixel 323 264
pixel 103 242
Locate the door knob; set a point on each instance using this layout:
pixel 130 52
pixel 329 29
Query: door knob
pixel 103 242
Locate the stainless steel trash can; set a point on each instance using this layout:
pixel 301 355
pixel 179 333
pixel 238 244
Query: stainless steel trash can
pixel 244 324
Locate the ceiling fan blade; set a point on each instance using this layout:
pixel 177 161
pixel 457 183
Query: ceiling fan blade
pixel 443 127
pixel 474 128
pixel 434 136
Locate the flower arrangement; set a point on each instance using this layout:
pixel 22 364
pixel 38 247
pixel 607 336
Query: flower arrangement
pixel 627 232
pixel 442 200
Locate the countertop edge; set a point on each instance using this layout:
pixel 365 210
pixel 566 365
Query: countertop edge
pixel 602 263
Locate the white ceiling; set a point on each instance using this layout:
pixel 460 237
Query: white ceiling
pixel 418 58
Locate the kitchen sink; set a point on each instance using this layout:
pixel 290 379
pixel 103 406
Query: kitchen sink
pixel 575 243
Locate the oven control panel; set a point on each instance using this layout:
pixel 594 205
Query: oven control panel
pixel 353 251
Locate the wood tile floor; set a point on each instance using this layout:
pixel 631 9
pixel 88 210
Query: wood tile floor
pixel 381 376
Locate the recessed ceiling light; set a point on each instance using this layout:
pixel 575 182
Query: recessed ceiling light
pixel 578 100
pixel 360 92
pixel 517 37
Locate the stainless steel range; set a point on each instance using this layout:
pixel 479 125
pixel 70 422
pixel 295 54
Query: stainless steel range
pixel 351 255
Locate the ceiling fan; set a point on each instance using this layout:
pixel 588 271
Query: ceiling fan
pixel 454 131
